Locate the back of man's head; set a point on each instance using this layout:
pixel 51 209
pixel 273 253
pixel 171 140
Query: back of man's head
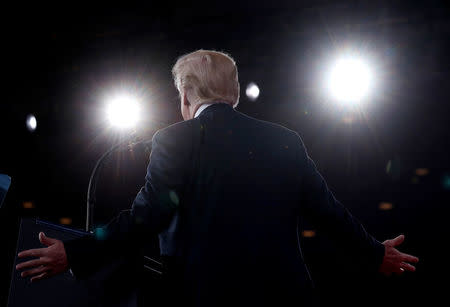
pixel 207 76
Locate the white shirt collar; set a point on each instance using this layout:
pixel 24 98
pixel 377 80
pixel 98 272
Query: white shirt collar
pixel 204 106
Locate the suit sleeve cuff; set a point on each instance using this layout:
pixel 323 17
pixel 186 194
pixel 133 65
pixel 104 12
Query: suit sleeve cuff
pixel 78 256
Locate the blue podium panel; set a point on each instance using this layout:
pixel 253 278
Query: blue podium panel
pixel 64 289
pixel 5 182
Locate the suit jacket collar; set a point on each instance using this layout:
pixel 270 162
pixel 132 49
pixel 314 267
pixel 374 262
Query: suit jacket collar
pixel 216 106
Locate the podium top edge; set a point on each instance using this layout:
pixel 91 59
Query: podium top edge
pixel 61 228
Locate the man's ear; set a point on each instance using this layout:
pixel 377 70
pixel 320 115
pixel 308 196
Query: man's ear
pixel 186 100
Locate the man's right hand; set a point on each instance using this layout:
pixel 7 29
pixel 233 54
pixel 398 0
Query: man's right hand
pixel 395 261
pixel 48 261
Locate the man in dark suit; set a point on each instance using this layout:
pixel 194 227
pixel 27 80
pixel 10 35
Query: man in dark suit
pixel 224 191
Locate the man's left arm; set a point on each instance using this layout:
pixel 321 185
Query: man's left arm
pixel 319 203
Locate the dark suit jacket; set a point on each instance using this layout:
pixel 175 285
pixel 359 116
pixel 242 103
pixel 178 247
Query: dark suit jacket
pixel 224 191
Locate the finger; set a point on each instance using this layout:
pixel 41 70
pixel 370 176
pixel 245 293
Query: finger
pixel 398 240
pixel 46 240
pixel 31 263
pixel 36 252
pixel 39 277
pixel 409 258
pixel 35 271
pixel 408 267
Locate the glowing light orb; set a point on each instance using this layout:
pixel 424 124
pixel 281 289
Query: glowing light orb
pixel 309 233
pixel 252 91
pixel 31 122
pixel 350 80
pixel 123 112
pixel 100 233
pixel 385 206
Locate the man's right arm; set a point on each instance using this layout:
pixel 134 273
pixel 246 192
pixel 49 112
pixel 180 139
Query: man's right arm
pixel 152 209
pixel 118 239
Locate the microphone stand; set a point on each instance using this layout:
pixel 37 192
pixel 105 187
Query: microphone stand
pixel 92 187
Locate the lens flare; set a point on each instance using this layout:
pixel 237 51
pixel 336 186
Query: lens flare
pixel 252 91
pixel 123 112
pixel 350 81
pixel 31 123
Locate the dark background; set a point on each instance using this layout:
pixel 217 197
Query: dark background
pixel 60 62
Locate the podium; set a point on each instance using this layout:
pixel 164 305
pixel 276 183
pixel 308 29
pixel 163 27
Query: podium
pixel 113 285
pixel 116 284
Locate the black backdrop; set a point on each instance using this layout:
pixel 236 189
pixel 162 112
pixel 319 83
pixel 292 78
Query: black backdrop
pixel 60 61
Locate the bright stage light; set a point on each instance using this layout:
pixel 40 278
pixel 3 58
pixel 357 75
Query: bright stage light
pixel 252 91
pixel 350 81
pixel 31 122
pixel 123 112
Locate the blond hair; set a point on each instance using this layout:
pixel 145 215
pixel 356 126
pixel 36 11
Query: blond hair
pixel 207 76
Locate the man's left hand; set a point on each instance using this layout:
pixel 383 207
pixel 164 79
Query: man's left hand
pixel 395 261
pixel 49 261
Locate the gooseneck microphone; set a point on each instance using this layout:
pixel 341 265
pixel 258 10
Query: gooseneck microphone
pixel 92 187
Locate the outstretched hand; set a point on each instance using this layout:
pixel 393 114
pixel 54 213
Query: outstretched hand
pixel 395 261
pixel 49 261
